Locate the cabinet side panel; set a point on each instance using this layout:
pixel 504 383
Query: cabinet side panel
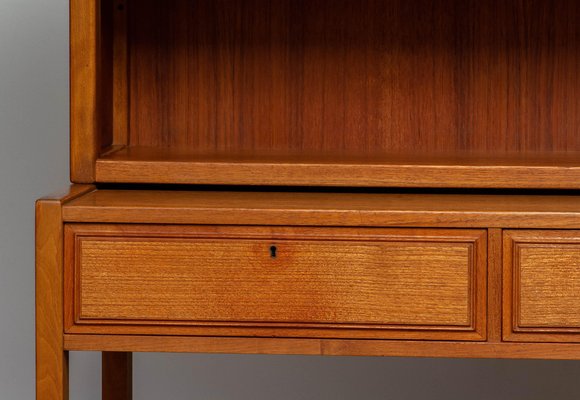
pixel 90 85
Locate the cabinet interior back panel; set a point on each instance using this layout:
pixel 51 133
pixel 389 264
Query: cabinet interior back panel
pixel 355 75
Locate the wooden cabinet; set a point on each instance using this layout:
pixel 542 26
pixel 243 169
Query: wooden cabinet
pixel 354 177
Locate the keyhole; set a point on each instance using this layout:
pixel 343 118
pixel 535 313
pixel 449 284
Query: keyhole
pixel 273 250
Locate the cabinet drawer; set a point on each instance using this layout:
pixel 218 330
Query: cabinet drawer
pixel 308 282
pixel 542 285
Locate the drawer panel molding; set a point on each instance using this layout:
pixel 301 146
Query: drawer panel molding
pixel 311 282
pixel 542 285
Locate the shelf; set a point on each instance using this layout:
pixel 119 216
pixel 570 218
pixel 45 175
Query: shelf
pixel 324 209
pixel 462 170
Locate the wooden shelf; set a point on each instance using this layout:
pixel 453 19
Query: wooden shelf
pixel 324 209
pixel 178 166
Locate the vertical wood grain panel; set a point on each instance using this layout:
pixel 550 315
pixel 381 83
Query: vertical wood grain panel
pixel 105 68
pixel 356 76
pixel 543 40
pixel 494 283
pixel 119 9
pixel 91 85
pixel 84 107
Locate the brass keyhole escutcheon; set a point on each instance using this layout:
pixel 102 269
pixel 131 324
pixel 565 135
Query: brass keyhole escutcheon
pixel 273 251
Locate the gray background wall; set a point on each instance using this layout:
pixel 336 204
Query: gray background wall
pixel 34 162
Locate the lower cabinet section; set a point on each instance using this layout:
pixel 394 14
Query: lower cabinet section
pixel 267 273
pixel 276 282
pixel 542 286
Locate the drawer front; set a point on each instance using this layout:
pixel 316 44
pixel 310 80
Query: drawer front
pixel 320 282
pixel 542 285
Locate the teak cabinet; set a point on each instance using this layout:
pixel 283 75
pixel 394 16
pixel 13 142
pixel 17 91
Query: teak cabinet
pixel 375 177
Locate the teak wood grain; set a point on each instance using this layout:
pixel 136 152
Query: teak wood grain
pixel 120 76
pixel 90 86
pixel 325 209
pixel 542 278
pixel 166 165
pixel 494 285
pixel 327 347
pixel 327 80
pixel 51 357
pixel 355 75
pixel 340 93
pixel 338 282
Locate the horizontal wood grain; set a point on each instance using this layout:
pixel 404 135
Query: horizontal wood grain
pixel 328 347
pixel 232 345
pixel 543 272
pixel 549 285
pixel 70 194
pixel 452 349
pixel 315 278
pixel 239 281
pixel 324 209
pixel 165 165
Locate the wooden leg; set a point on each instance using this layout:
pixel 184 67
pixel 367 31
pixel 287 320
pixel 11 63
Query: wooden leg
pixel 51 359
pixel 117 376
pixel 51 374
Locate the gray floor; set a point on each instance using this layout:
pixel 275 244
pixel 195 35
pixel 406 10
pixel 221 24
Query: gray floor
pixel 182 376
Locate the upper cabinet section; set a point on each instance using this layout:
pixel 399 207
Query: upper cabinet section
pixel 422 93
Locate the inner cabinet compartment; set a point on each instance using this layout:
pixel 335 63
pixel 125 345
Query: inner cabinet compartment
pixel 464 93
pixel 284 282
pixel 542 286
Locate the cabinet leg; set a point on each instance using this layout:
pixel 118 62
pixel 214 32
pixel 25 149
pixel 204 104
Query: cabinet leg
pixel 117 376
pixel 51 374
pixel 51 358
